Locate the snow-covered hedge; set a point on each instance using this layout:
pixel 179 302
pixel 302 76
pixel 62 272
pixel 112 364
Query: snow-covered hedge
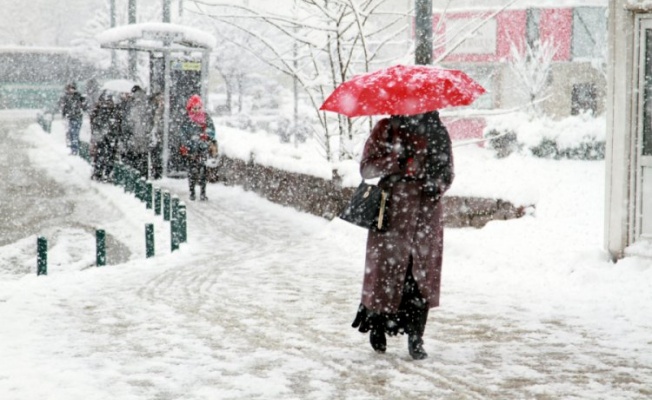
pixel 577 137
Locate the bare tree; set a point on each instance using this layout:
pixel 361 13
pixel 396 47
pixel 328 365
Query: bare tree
pixel 531 65
pixel 319 44
pixel 88 49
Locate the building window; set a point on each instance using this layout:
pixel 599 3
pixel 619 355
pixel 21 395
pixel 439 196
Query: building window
pixel 484 75
pixel 589 32
pixel 584 98
pixel 533 16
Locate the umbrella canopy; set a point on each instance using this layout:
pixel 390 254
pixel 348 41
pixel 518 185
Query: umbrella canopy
pixel 118 85
pixel 403 90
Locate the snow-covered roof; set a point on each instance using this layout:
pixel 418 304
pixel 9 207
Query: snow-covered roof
pixel 638 4
pixel 150 35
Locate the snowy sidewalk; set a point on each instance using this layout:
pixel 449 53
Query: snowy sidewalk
pixel 258 304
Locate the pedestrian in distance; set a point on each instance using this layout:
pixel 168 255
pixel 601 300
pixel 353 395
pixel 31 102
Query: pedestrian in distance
pixel 136 130
pixel 198 143
pixel 105 130
pixel 412 156
pixel 73 105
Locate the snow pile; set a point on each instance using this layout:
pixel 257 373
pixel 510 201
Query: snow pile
pixel 569 133
pixel 258 304
pixel 266 149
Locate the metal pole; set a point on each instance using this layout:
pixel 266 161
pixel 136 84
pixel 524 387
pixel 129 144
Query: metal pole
pixel 166 10
pixel 114 62
pixel 133 56
pixel 204 74
pixel 180 9
pixel 295 66
pixel 423 32
pixel 166 112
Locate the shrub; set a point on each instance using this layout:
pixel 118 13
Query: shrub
pixel 241 121
pixel 580 137
pixel 504 143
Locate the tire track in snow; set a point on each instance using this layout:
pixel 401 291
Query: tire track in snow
pixel 248 308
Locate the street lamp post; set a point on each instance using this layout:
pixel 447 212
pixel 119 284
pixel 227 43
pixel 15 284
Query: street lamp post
pixel 423 31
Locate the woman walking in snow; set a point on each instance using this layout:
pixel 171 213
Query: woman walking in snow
pixel 413 157
pixel 198 142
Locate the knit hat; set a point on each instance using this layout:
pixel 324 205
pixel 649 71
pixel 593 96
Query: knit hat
pixel 194 101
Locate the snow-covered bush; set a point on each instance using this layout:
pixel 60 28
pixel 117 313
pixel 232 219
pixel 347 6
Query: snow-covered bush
pixel 504 143
pixel 241 121
pixel 575 137
pixel 289 131
pixel 301 130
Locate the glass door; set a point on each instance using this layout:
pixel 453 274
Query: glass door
pixel 643 169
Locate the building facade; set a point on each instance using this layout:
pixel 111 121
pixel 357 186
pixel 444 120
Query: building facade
pixel 628 205
pixel 575 35
pixel 482 38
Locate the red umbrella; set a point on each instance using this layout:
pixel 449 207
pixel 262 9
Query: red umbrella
pixel 404 90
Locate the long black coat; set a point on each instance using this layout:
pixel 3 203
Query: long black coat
pixel 414 214
pixel 73 105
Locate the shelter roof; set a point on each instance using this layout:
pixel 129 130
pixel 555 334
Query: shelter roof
pixel 151 36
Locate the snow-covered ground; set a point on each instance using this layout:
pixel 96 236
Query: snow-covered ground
pixel 258 304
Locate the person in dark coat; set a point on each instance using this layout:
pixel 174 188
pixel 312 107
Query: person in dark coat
pixel 136 130
pixel 105 130
pixel 73 105
pixel 412 156
pixel 198 143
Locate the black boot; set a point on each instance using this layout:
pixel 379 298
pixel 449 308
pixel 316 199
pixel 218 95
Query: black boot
pixel 415 347
pixel 416 330
pixel 192 193
pixel 378 340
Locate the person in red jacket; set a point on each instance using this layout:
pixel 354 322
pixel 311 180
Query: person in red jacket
pixel 197 143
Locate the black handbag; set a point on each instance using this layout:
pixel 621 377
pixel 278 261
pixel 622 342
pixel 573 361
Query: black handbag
pixel 367 207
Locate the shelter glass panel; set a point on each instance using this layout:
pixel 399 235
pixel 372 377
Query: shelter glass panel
pixel 646 148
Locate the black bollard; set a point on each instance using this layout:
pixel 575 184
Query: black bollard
pixel 183 226
pixel 157 201
pixel 174 234
pixel 166 206
pixel 175 207
pixel 149 240
pixel 148 195
pixel 100 244
pixel 42 256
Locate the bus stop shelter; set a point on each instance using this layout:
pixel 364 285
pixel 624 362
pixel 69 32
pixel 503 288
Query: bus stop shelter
pixel 169 41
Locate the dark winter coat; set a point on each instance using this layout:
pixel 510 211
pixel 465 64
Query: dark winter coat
pixel 73 105
pixel 105 120
pixel 193 139
pixel 136 123
pixel 413 158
